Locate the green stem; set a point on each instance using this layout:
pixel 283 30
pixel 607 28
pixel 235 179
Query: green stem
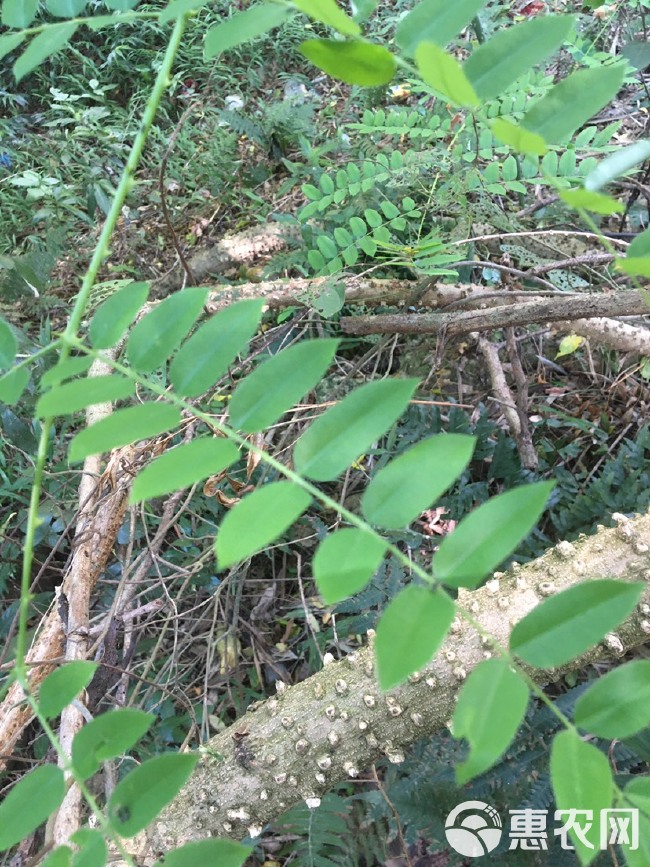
pixel 74 322
pixel 352 519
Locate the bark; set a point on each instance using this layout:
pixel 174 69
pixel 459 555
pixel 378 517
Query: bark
pixel 230 252
pixel 581 306
pixel 370 291
pixel 309 737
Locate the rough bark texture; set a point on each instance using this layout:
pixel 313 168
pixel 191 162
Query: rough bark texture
pixel 229 252
pixel 303 741
pixel 582 306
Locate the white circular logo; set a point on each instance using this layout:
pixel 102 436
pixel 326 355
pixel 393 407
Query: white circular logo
pixel 473 828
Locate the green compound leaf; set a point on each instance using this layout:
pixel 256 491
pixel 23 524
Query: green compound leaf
pixel 590 201
pixel 18 13
pixel 327 12
pixel 66 370
pixel 345 561
pixel 637 267
pixel 61 857
pixel 496 64
pixel 617 705
pixel 637 258
pixel 93 850
pixel 142 794
pixel 8 344
pixel 258 520
pixel 12 385
pixel 361 63
pixel 401 491
pixel 29 803
pixel 346 430
pixel 177 8
pixel 81 393
pixel 410 631
pixel 572 102
pixel 44 45
pixel 244 26
pixel 581 780
pixel 183 466
pixel 490 709
pixel 617 164
pixel 121 5
pixel 225 853
pixel 123 427
pixel 154 338
pixel 66 8
pixel 488 535
pixel 278 383
pixel 116 314
pixel 63 685
pixel 108 736
pixel 640 246
pixel 435 21
pixel 566 625
pixel 208 353
pixel 519 139
pixel 444 73
pixel 637 794
pixel 9 42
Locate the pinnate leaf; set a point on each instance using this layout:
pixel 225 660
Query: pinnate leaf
pixel 123 427
pixel 490 708
pixel 81 393
pixel 581 780
pixel 63 685
pixel 121 5
pixel 225 853
pixel 413 481
pixel 435 21
pixel 617 705
pixel 159 333
pixel 244 26
pixel 443 73
pixel 115 315
pixel 29 803
pixel 488 535
pixel 59 857
pixel 573 101
pixel 44 45
pixel 206 355
pixel 346 430
pixel 9 42
pixel 566 625
pixel 141 795
pixel 327 12
pixel 278 383
pixel 93 850
pixel 410 632
pixel 8 344
pixel 345 561
pixel 258 520
pixel 12 385
pixel 109 735
pixel 66 369
pixel 66 8
pixel 591 201
pixel 182 466
pixel 362 63
pixel 617 164
pixel 495 65
pixel 519 139
pixel 18 13
pixel 176 8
